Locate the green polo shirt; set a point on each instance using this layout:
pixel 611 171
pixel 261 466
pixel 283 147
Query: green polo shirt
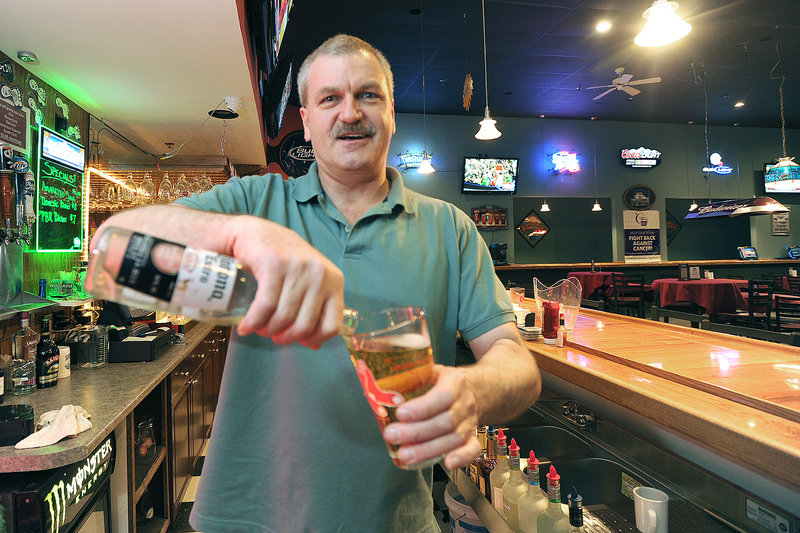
pixel 295 446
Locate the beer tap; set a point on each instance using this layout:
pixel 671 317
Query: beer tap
pixel 7 200
pixel 28 212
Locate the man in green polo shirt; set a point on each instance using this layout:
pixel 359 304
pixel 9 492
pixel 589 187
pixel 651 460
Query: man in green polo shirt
pixel 294 445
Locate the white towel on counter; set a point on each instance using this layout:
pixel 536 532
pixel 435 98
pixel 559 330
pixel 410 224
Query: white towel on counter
pixel 55 425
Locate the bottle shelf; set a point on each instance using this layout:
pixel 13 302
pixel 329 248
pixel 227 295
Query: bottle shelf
pixel 146 468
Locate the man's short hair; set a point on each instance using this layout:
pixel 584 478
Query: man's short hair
pixel 342 45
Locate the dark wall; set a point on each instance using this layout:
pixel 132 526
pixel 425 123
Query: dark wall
pixel 708 238
pixel 576 232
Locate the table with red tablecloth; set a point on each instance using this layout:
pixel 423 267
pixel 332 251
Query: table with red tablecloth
pixel 713 295
pixel 592 280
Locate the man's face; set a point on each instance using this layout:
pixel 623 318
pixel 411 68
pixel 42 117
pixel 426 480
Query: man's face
pixel 349 114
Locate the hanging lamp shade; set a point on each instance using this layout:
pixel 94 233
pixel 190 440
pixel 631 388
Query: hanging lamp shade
pixel 663 25
pixel 426 167
pixel 596 206
pixel 761 205
pixel 785 175
pixel 545 206
pixel 488 129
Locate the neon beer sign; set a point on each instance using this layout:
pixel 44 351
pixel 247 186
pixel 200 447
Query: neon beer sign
pixel 564 161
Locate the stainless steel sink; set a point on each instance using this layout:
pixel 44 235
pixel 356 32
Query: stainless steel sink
pixel 549 442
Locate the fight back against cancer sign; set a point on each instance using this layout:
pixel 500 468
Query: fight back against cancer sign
pixel 642 236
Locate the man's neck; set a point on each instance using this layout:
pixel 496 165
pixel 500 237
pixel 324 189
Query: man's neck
pixel 353 197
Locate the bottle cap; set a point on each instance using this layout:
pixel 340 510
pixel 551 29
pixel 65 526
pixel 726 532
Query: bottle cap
pixel 532 460
pixel 501 437
pixel 552 476
pixel 513 449
pixel 575 502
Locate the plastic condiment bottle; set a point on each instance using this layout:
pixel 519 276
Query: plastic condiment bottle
pixel 534 502
pixel 500 473
pixel 514 488
pixel 562 331
pixel 553 520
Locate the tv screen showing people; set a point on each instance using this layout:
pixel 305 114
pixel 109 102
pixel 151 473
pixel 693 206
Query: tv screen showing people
pixel 490 175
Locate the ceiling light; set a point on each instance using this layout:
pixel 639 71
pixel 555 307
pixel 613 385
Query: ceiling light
pixel 663 26
pixel 596 206
pixel 426 167
pixel 603 26
pixel 693 206
pixel 27 57
pixel 545 207
pixel 488 129
pixel 232 105
pixel 740 103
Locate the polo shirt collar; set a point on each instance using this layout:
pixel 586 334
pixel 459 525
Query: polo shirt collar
pixel 308 187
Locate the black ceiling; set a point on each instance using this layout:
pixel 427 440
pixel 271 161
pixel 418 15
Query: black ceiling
pixel 543 54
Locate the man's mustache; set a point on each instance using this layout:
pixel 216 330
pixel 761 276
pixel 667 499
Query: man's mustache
pixel 362 129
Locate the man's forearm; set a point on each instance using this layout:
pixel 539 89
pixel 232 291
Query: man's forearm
pixel 505 381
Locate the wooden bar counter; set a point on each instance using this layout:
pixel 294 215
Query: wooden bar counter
pixel 737 398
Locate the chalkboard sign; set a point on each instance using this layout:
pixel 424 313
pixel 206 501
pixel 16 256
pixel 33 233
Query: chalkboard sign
pixel 59 207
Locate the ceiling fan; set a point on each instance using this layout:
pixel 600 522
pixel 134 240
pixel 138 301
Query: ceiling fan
pixel 623 83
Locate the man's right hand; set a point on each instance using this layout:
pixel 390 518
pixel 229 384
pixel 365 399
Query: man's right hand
pixel 300 296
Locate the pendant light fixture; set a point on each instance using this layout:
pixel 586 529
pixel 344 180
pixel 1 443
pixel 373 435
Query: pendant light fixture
pixel 425 167
pixel 545 206
pixel 488 129
pixel 786 169
pixel 663 26
pixel 596 206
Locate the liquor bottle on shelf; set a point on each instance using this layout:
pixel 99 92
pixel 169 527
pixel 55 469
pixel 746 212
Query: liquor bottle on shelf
pixel 575 511
pixel 534 502
pixel 23 345
pixel 553 520
pixel 475 465
pixel 47 356
pixel 147 272
pixel 514 488
pixel 500 473
pixel 2 385
pixel 165 190
pixel 488 465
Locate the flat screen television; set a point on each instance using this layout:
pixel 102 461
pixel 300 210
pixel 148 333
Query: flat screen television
pixel 494 175
pixel 786 181
pixel 60 149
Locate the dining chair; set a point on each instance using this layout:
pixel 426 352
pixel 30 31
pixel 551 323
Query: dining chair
pixel 794 285
pixel 787 314
pixel 627 293
pixel 758 313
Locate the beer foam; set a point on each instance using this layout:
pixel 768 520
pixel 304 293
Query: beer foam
pixel 411 341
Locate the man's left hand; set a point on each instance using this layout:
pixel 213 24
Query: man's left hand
pixel 440 422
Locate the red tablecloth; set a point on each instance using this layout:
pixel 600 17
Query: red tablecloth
pixel 592 280
pixel 713 295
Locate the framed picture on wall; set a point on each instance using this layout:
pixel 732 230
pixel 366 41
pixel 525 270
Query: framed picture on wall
pixel 780 223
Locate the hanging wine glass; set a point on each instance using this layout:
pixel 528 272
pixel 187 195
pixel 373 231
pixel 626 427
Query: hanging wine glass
pixel 182 187
pixel 205 183
pixel 148 189
pixel 195 186
pixel 129 190
pixel 165 190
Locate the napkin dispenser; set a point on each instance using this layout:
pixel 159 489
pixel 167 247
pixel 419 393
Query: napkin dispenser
pixel 145 347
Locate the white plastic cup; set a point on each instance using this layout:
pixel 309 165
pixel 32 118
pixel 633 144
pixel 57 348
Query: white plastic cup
pixel 63 362
pixel 650 506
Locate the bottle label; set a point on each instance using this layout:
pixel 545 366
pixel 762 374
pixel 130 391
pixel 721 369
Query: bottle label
pixel 182 275
pixel 497 498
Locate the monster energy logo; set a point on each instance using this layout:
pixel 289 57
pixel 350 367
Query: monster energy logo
pixel 63 494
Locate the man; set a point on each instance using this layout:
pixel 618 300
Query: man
pixel 294 445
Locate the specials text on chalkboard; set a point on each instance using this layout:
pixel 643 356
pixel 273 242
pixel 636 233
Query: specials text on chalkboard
pixel 59 206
